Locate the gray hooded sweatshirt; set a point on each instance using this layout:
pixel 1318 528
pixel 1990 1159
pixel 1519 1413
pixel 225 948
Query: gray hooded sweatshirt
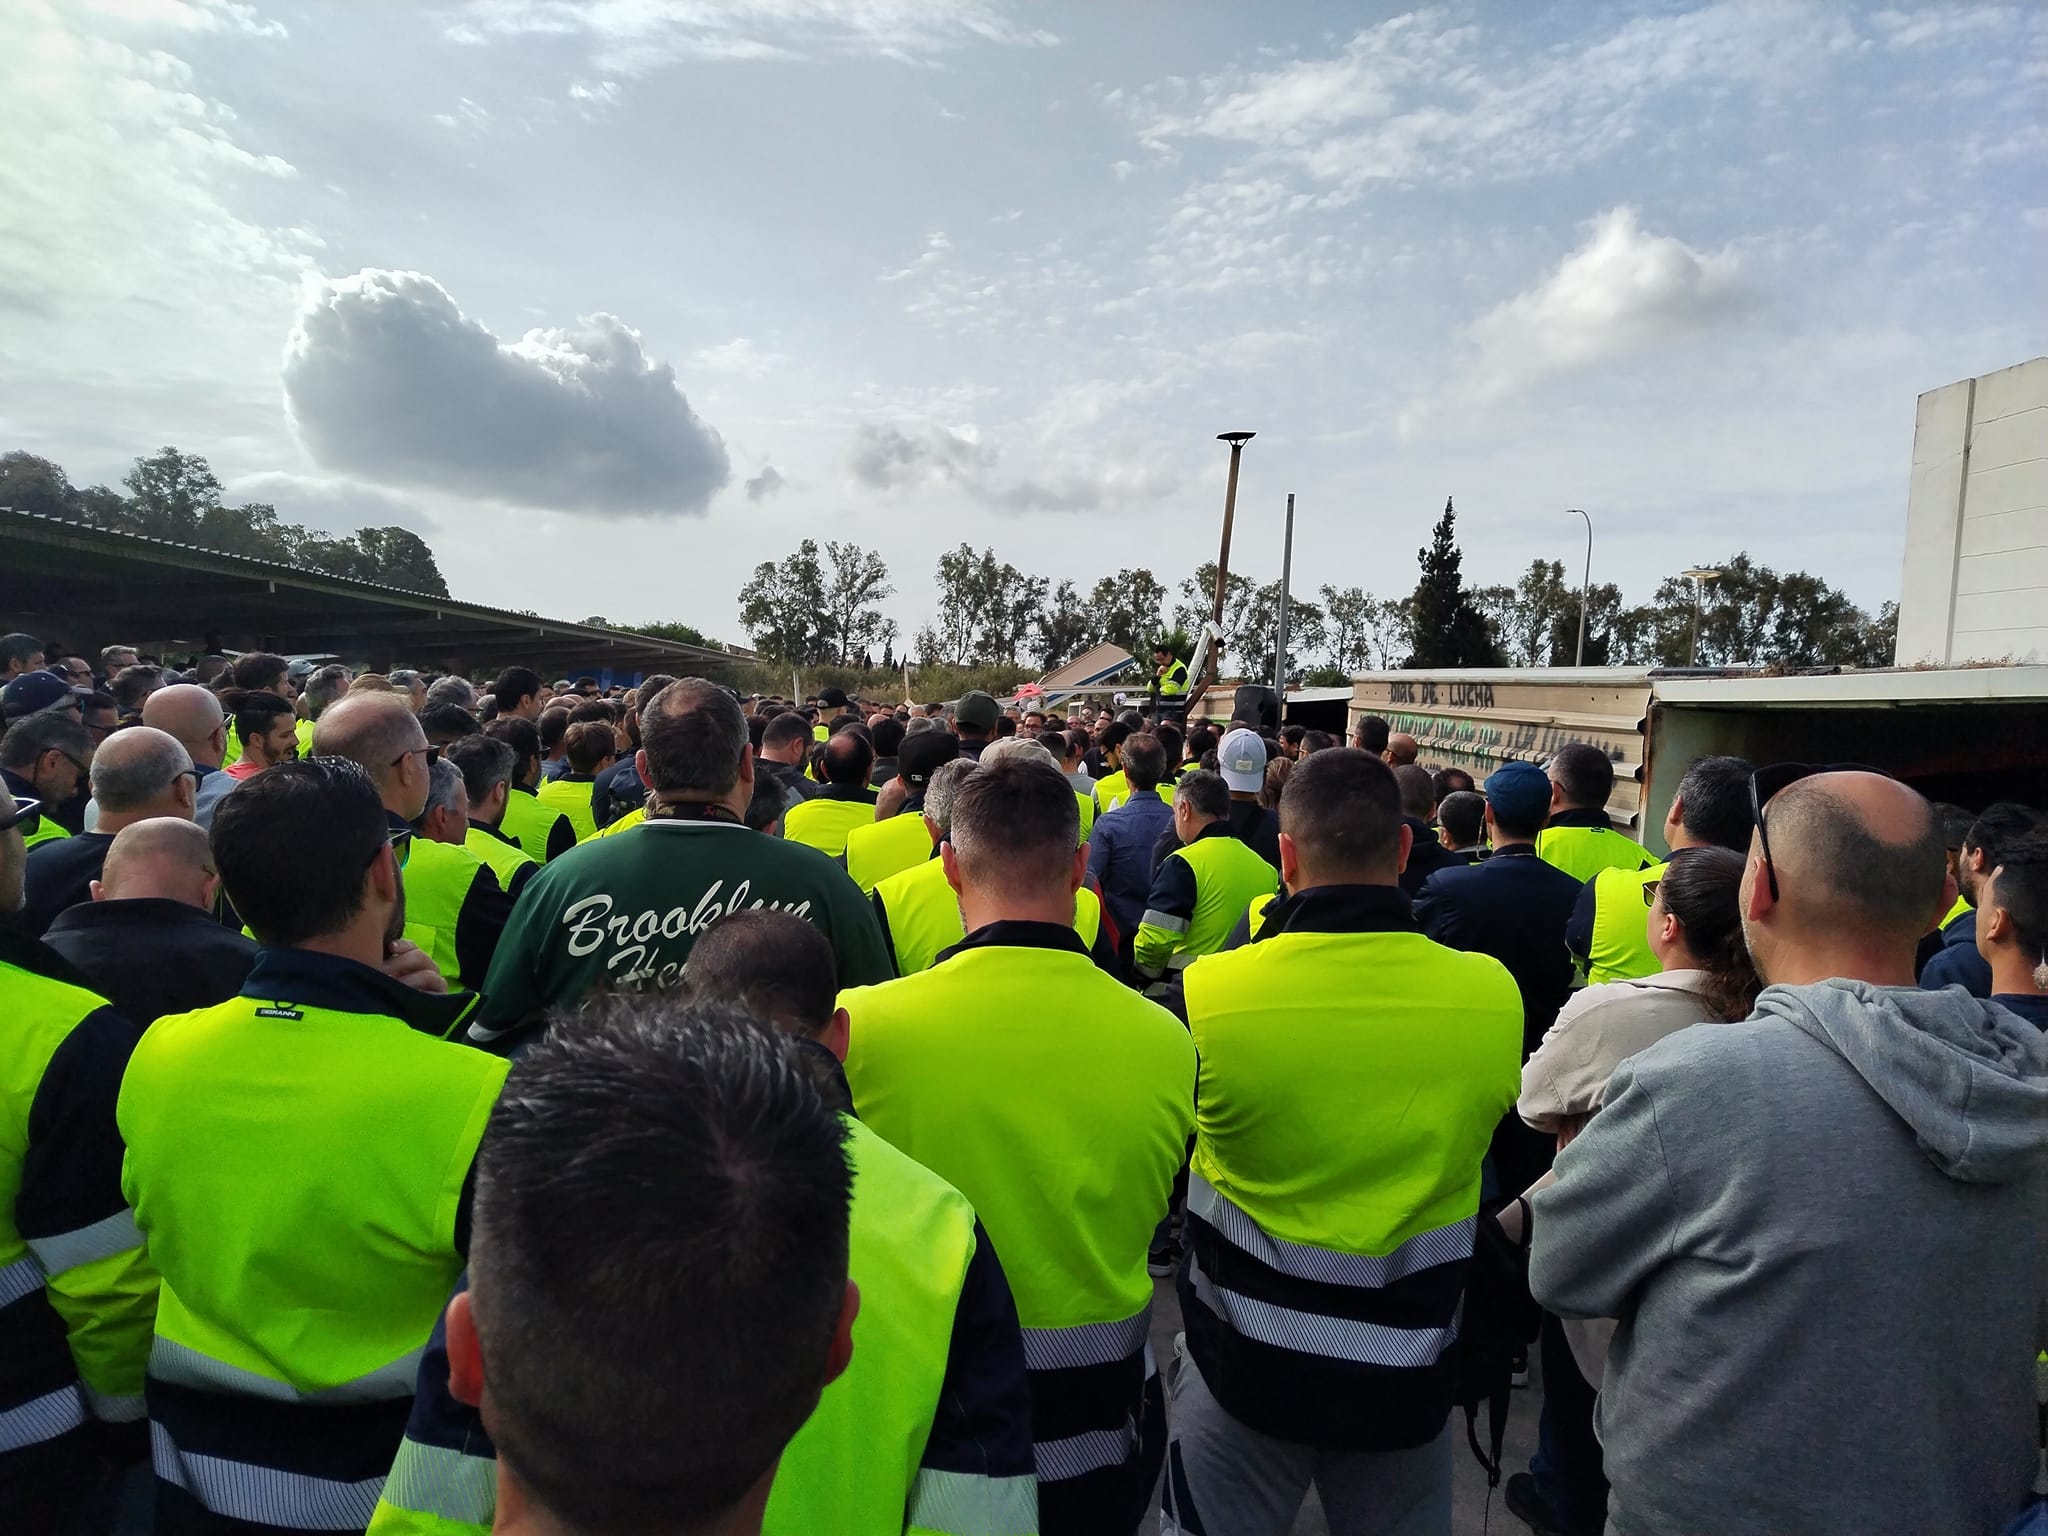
pixel 1824 1231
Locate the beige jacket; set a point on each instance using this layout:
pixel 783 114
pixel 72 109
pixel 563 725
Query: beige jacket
pixel 1597 1030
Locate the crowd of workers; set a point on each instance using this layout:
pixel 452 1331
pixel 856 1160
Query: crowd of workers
pixel 436 1108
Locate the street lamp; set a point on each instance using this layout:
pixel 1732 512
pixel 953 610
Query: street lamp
pixel 1699 576
pixel 1237 440
pixel 1585 587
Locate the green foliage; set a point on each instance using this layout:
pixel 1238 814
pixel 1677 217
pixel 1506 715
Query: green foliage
pixel 1447 629
pixel 176 496
pixel 1125 610
pixel 782 608
pixel 988 611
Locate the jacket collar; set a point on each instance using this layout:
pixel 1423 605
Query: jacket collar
pixel 1221 828
pixel 1424 832
pixel 1340 909
pixel 1019 935
pixel 913 804
pixel 827 1072
pixel 154 911
pixel 1581 818
pixel 490 831
pixel 38 959
pixel 521 789
pixel 288 976
pixel 1514 851
pixel 852 794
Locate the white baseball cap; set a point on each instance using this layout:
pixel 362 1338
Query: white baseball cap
pixel 1242 759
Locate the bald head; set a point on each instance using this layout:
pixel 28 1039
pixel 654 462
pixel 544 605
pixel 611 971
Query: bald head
pixel 1402 749
pixel 193 715
pixel 139 773
pixel 379 733
pixel 162 857
pixel 1860 862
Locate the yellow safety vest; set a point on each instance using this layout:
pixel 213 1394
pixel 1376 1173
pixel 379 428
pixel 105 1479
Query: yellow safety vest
pixel 1620 949
pixel 297 1168
pixel 438 879
pixel 1582 852
pixel 1111 791
pixel 624 823
pixel 528 823
pixel 884 848
pixel 572 798
pixel 1229 877
pixel 824 822
pixel 46 831
pixel 1174 681
pixel 502 858
pixel 921 914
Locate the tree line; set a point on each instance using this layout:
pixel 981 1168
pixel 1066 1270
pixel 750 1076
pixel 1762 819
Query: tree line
pixel 808 610
pixel 176 496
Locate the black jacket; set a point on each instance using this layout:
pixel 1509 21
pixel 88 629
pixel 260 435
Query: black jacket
pixel 791 777
pixel 1513 907
pixel 618 789
pixel 60 875
pixel 1426 857
pixel 1257 828
pixel 150 956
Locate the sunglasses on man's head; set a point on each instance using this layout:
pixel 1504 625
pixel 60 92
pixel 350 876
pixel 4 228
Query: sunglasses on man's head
pixel 25 810
pixel 1767 783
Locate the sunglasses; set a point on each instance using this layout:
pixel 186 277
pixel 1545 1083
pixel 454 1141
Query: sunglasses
pixel 1766 783
pixel 24 811
pixel 433 755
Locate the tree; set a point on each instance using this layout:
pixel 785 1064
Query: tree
pixel 169 492
pixel 1347 615
pixel 988 611
pixel 1063 628
pixel 854 589
pixel 1305 633
pixel 1125 610
pixel 1389 629
pixel 1447 630
pixel 782 607
pixel 682 634
pixel 1242 643
pixel 32 484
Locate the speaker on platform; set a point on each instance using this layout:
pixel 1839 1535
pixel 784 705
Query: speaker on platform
pixel 1259 705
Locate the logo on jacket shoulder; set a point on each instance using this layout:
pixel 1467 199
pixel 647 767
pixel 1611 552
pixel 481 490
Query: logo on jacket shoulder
pixel 279 1011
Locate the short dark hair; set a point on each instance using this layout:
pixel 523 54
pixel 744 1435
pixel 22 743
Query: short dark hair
pixel 1998 827
pixel 1343 811
pixel 888 734
pixel 18 647
pixel 33 735
pixel 778 967
pixel 1073 743
pixel 514 684
pixel 1714 802
pixel 593 709
pixel 1170 739
pixel 257 711
pixel 1418 791
pixel 1463 814
pixel 1317 741
pixel 1292 734
pixel 2022 889
pixel 659 1261
pixel 1373 731
pixel 849 759
pixel 521 737
pixel 1205 793
pixel 259 670
pixel 1585 773
pixel 1016 818
pixel 589 743
pixel 784 728
pixel 1144 761
pixel 769 800
pixel 1955 823
pixel 1114 734
pixel 328 813
pixel 554 725
pixel 449 722
pixel 694 736
pixel 484 763
pixel 1451 781
pixel 131 685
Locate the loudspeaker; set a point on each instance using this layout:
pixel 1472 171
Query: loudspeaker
pixel 1259 705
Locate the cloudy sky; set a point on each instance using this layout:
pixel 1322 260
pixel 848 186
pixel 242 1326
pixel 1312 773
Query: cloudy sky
pixel 614 300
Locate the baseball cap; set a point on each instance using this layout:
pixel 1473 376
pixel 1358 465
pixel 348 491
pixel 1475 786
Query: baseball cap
pixel 33 692
pixel 977 709
pixel 1242 759
pixel 925 754
pixel 836 697
pixel 1519 794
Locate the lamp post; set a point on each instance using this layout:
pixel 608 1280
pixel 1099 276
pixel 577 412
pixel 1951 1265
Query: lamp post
pixel 1237 440
pixel 1585 587
pixel 1286 577
pixel 1699 576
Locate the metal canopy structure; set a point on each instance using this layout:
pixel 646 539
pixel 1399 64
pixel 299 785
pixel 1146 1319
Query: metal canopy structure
pixel 91 587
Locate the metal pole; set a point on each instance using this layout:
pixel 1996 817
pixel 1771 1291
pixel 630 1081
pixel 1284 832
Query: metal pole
pixel 1237 440
pixel 1286 576
pixel 1585 590
pixel 1698 587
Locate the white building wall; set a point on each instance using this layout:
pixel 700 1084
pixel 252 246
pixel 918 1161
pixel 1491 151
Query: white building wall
pixel 1975 586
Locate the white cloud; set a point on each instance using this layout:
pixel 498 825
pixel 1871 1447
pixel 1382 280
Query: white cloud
pixel 1942 26
pixel 936 249
pixel 113 151
pixel 892 458
pixel 765 484
pixel 387 379
pixel 1622 289
pixel 634 37
pixel 738 358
